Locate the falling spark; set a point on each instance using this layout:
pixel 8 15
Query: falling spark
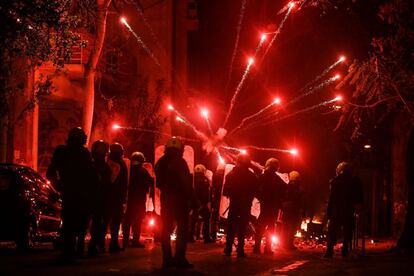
pixel 151 222
pixel 237 91
pixel 279 29
pixel 271 149
pixel 308 109
pixel 204 113
pixel 324 73
pixel 294 152
pixel 275 240
pixel 181 118
pixel 236 43
pixel 116 126
pixel 141 42
pixel 276 101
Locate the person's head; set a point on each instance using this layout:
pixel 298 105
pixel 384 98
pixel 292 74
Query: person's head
pixel 343 168
pixel 294 176
pixel 200 169
pixel 116 151
pixel 243 160
pixel 174 145
pixel 137 158
pixel 99 149
pixel 76 137
pixel 272 165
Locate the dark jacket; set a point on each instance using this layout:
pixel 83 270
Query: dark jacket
pixel 73 174
pixel 119 185
pixel 202 189
pixel 173 176
pixel 293 203
pixel 140 184
pixel 240 187
pixel 345 194
pixel 272 190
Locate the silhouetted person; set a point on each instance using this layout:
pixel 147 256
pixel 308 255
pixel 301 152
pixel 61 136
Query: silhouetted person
pixel 71 170
pixel 217 187
pixel 202 191
pixel 292 208
pixel 140 184
pixel 345 195
pixel 240 187
pixel 117 194
pixel 177 195
pixel 270 194
pixel 99 152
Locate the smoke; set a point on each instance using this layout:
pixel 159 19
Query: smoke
pixel 211 144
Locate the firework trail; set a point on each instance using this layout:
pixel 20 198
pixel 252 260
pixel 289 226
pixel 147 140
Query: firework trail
pixel 115 127
pixel 148 25
pixel 236 43
pixel 324 72
pixel 279 29
pixel 258 113
pixel 269 149
pixel 308 109
pixel 139 40
pixel 181 118
pixel 239 87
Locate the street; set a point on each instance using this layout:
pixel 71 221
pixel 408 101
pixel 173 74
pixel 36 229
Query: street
pixel 209 260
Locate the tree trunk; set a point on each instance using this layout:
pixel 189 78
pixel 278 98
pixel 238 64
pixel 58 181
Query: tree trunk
pixel 90 66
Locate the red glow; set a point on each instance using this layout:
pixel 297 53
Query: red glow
pixel 337 76
pixel 263 37
pixel 292 4
pixel 338 98
pixel 243 152
pixel 179 119
pixel 116 126
pixel 342 58
pixel 123 20
pixel 151 223
pixel 221 160
pixel 204 113
pixel 275 239
pixel 170 107
pixel 277 100
pixel 250 61
pixel 294 152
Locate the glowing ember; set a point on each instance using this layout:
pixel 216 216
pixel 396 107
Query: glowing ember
pixel 367 146
pixel 291 4
pixel 204 113
pixel 170 107
pixel 338 98
pixel 151 222
pixel 263 37
pixel 337 76
pixel 298 234
pixel 123 20
pixel 294 152
pixel 179 119
pixel 250 61
pixel 342 59
pixel 275 239
pixel 243 152
pixel 116 126
pixel 277 101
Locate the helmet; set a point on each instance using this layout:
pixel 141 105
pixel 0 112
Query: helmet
pixel 272 163
pixel 77 136
pixel 137 157
pixel 294 176
pixel 243 159
pixel 175 143
pixel 200 169
pixel 99 149
pixel 343 167
pixel 116 151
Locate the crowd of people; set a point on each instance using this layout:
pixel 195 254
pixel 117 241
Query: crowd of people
pixel 100 192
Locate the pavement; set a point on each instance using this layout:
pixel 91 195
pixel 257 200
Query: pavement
pixel 209 260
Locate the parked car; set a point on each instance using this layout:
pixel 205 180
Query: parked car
pixel 30 207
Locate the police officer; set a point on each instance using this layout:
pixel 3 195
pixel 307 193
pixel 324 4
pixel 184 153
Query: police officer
pixel 140 184
pixel 177 195
pixel 270 195
pixel 217 187
pixel 292 207
pixel 202 191
pixel 99 152
pixel 240 187
pixel 72 172
pixel 345 195
pixel 116 193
